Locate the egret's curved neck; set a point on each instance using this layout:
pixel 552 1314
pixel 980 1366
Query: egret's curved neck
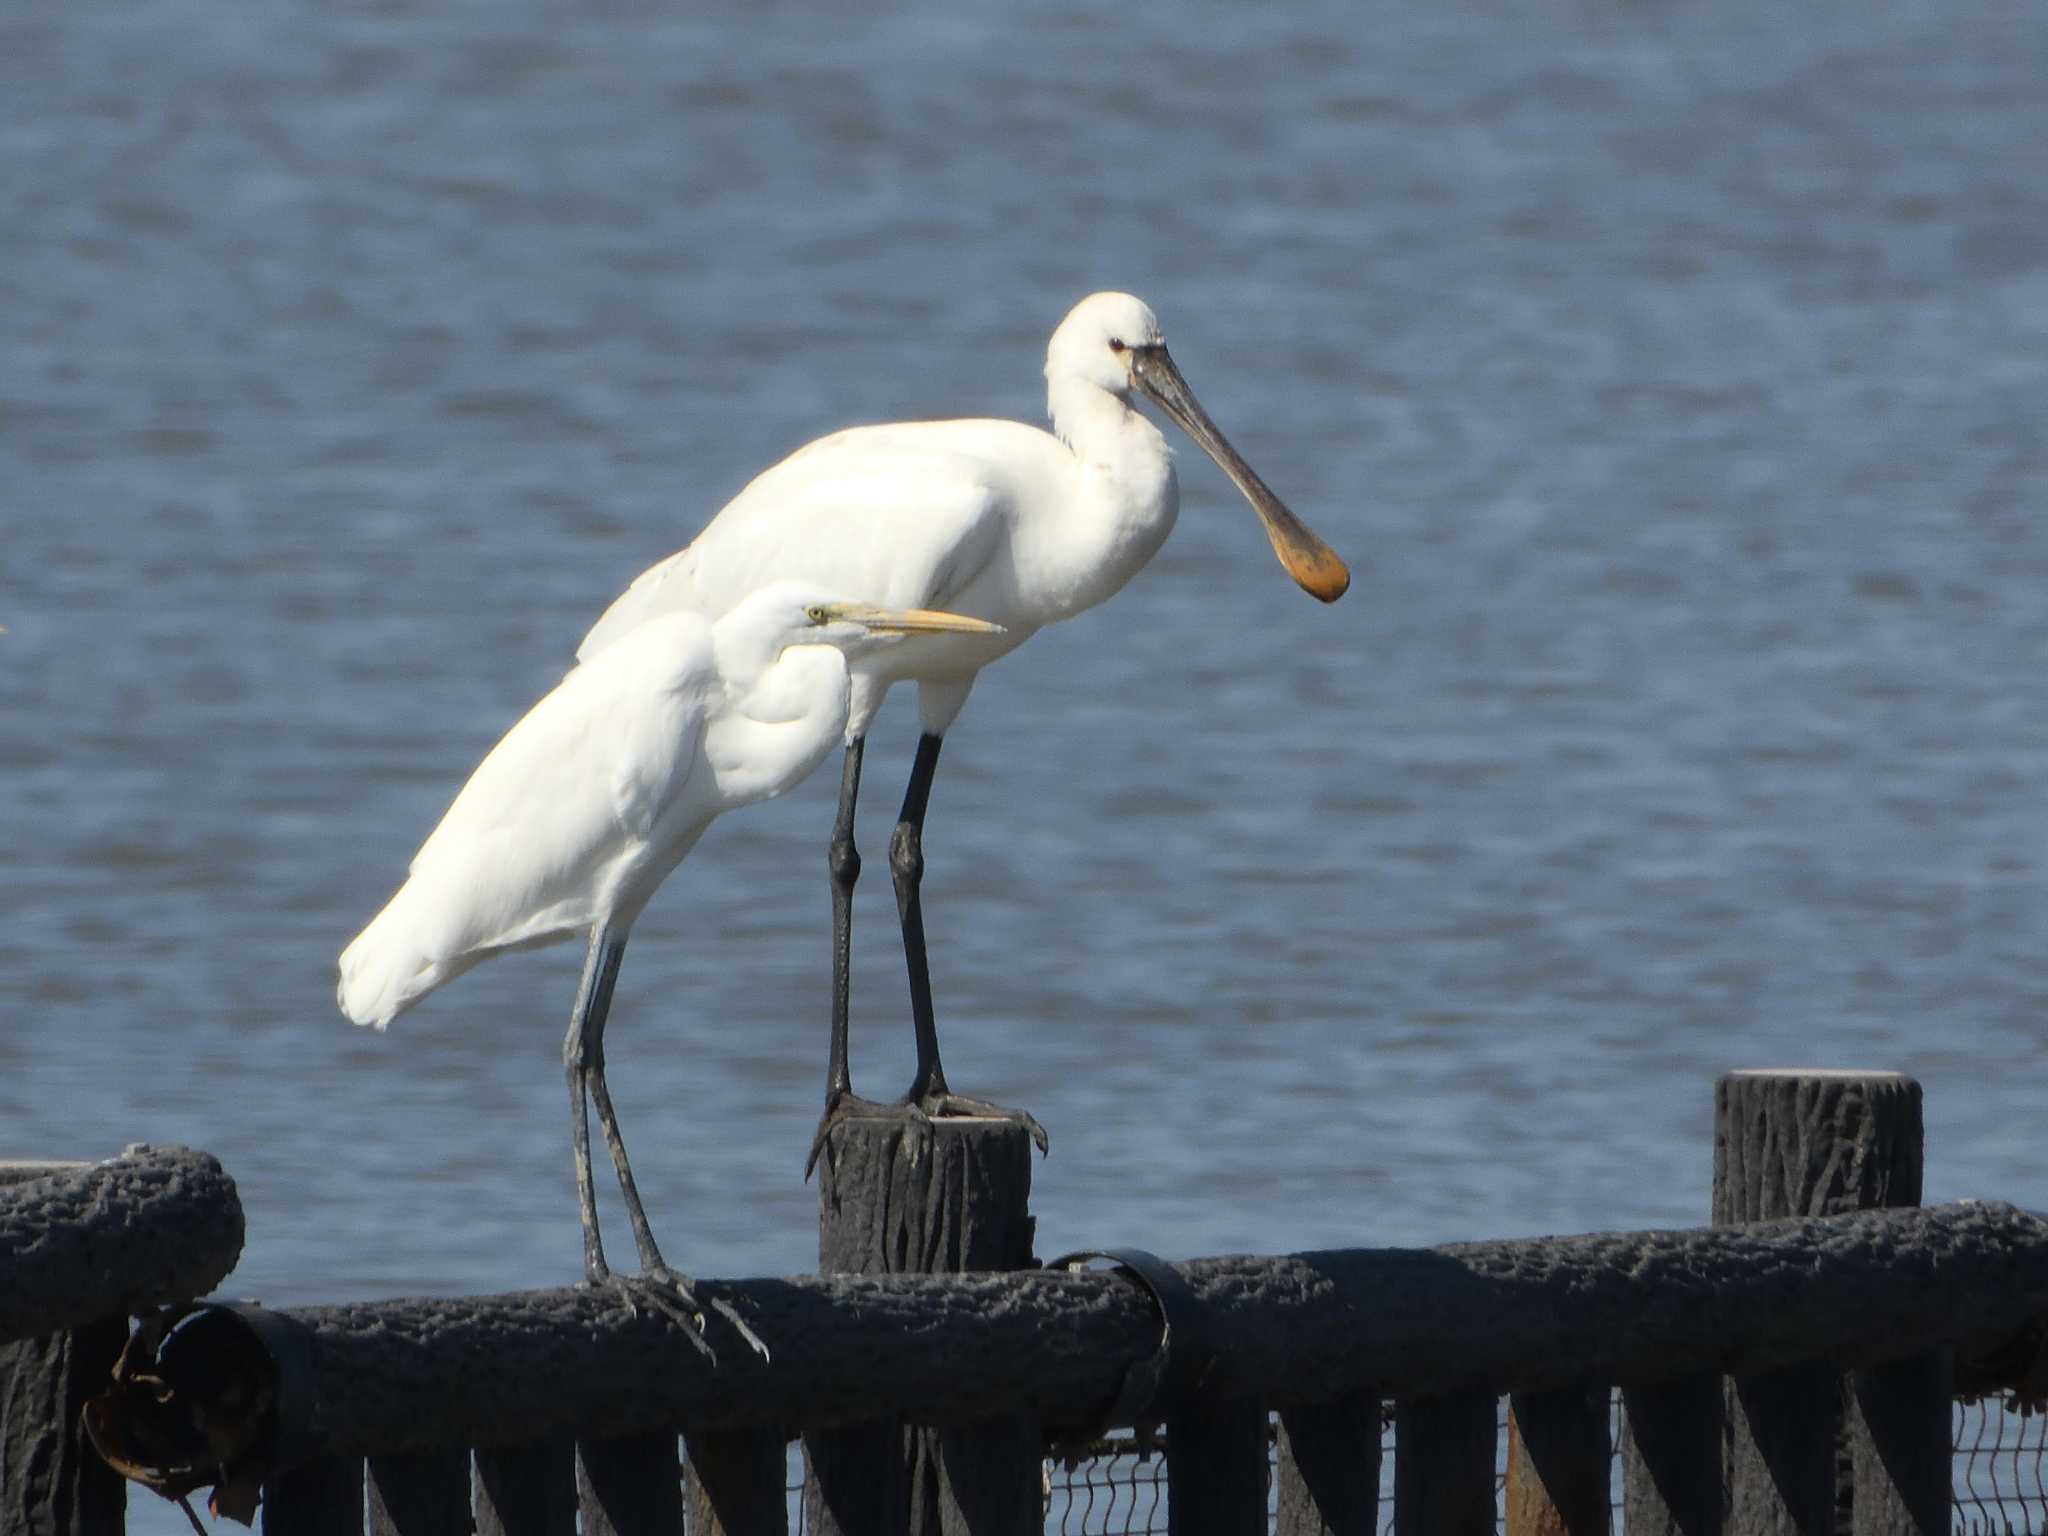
pixel 783 718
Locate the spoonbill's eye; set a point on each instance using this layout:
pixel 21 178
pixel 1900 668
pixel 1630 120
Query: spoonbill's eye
pixel 815 613
pixel 1116 344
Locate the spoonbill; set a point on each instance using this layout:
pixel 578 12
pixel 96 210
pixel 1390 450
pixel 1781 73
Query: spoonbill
pixel 575 818
pixel 995 518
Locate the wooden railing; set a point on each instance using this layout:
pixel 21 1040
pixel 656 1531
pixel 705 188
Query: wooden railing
pixel 1790 1368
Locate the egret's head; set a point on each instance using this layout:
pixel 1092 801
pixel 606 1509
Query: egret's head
pixel 1099 340
pixel 791 613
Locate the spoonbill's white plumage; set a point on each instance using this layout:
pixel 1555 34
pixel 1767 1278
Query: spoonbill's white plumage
pixel 994 518
pixel 575 818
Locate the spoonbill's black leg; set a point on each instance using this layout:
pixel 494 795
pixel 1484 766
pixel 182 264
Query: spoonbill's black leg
pixel 842 858
pixel 928 1090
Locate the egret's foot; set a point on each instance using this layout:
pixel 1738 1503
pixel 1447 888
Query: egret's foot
pixel 670 1294
pixel 949 1105
pixel 849 1105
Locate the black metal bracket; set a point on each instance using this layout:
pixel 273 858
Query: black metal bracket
pixel 1153 1386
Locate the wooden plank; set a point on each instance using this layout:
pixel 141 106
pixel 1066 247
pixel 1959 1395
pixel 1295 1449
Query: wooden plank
pixel 1216 1469
pixel 631 1486
pixel 51 1480
pixel 527 1490
pixel 898 1196
pixel 1443 1465
pixel 1558 1463
pixel 1671 1458
pixel 1804 1142
pixel 736 1483
pixel 1901 1433
pixel 320 1498
pixel 1329 1468
pixel 421 1495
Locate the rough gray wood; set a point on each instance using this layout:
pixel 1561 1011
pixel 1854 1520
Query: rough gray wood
pixel 1805 1143
pixel 99 1240
pixel 901 1197
pixel 527 1490
pixel 1671 1458
pixel 1443 1465
pixel 1329 1468
pixel 321 1498
pixel 1216 1468
pixel 420 1495
pixel 1558 1463
pixel 631 1485
pixel 1519 1315
pixel 736 1482
pixel 1903 1447
pixel 51 1481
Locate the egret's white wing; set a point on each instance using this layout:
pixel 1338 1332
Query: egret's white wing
pixel 589 795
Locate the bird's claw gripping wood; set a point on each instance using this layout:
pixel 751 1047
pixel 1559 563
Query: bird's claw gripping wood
pixel 671 1295
pixel 920 1108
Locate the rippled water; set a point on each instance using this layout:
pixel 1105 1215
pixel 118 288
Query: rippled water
pixel 1672 376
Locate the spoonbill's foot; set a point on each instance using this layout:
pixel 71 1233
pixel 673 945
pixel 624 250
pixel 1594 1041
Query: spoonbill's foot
pixel 848 1105
pixel 945 1104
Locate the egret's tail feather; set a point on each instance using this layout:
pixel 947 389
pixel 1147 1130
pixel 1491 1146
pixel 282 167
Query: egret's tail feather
pixel 385 970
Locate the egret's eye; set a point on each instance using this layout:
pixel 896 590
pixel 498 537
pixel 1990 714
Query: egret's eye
pixel 1116 344
pixel 816 613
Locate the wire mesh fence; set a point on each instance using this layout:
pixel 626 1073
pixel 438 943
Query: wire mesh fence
pixel 1117 1486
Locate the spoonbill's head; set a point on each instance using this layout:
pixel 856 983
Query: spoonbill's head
pixel 1096 341
pixel 1113 341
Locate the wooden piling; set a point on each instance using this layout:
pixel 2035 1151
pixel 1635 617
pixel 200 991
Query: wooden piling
pixel 319 1498
pixel 1824 1143
pixel 51 1480
pixel 1329 1468
pixel 1216 1468
pixel 426 1494
pixel 899 1196
pixel 526 1490
pixel 631 1485
pixel 1557 1463
pixel 1443 1465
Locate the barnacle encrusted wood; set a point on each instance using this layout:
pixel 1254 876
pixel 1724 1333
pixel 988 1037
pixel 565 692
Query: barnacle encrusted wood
pixel 98 1240
pixel 1520 1315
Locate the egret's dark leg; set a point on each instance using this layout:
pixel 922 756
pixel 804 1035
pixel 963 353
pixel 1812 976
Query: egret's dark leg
pixel 593 1002
pixel 928 1090
pixel 583 1057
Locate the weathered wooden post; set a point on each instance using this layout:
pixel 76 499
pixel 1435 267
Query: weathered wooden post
pixel 1329 1468
pixel 526 1490
pixel 424 1494
pixel 1822 1143
pixel 82 1245
pixel 1443 1465
pixel 1557 1463
pixel 50 1480
pixel 1216 1467
pixel 898 1196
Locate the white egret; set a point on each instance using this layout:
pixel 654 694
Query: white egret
pixel 574 819
pixel 994 518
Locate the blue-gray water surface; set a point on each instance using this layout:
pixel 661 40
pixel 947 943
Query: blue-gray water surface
pixel 1672 376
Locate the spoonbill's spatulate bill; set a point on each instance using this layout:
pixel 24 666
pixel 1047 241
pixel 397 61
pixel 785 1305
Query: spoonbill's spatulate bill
pixel 994 518
pixel 572 822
